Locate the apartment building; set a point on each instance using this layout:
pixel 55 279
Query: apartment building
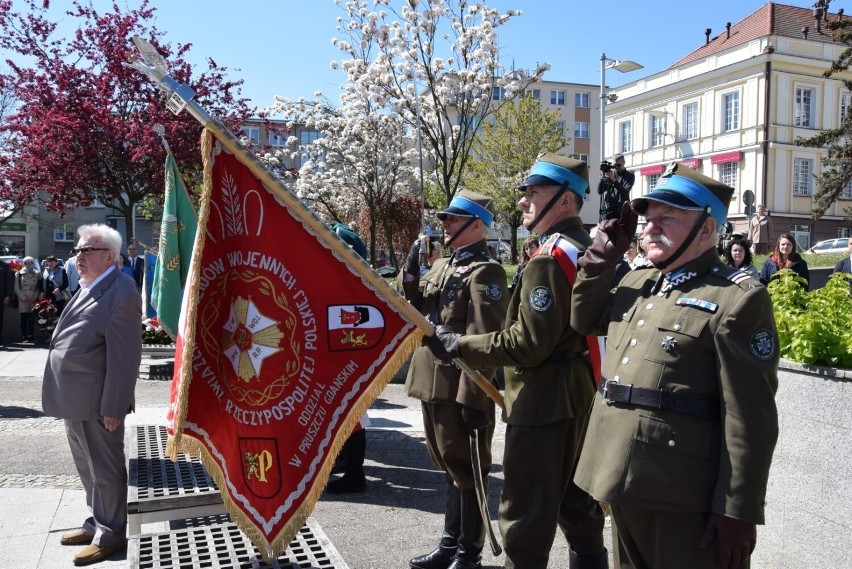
pixel 733 108
pixel 578 118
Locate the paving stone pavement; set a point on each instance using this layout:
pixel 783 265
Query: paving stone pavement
pixel 398 517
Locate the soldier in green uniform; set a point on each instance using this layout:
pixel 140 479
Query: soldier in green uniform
pixel 466 292
pixel 683 429
pixel 549 380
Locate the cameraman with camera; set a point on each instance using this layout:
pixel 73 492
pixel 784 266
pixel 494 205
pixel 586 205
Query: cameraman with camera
pixel 614 187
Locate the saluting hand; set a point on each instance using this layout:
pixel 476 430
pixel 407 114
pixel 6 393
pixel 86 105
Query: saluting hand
pixel 610 242
pixel 735 539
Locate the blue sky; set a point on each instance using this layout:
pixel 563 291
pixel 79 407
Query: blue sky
pixel 283 47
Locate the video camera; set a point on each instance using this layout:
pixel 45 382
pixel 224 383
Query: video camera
pixel 606 166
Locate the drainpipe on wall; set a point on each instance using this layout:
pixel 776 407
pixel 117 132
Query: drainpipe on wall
pixel 766 101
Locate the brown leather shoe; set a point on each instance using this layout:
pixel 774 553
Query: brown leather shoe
pixel 76 537
pixel 93 553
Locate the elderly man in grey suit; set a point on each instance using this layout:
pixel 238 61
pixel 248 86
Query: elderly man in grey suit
pixel 89 381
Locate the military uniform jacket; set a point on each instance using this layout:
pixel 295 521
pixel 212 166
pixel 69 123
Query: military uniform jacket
pixel 548 376
pixel 468 293
pixel 712 337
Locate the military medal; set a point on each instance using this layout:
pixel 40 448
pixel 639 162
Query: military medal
pixel 668 344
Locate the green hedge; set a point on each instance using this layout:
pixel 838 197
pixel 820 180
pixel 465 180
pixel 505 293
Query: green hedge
pixel 814 327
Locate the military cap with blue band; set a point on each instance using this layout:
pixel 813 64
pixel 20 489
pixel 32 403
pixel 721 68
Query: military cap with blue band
pixel 470 204
pixel 555 170
pixel 684 188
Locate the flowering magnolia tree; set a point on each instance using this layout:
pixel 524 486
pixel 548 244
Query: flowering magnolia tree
pixel 82 128
pixel 430 67
pixel 359 161
pixel 437 67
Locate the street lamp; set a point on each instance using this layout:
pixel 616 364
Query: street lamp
pixel 622 66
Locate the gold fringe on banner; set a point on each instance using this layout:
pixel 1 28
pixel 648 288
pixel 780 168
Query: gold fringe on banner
pixel 185 372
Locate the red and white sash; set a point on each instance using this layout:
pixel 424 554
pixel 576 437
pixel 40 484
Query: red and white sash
pixel 566 255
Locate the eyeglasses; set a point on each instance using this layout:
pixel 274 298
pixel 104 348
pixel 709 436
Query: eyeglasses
pixel 86 250
pixel 28 262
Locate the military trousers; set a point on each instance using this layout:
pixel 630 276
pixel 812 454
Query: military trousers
pixel 99 457
pixel 539 494
pixel 652 539
pixel 449 443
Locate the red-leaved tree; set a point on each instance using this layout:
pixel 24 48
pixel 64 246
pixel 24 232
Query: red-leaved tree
pixel 82 129
pixel 403 218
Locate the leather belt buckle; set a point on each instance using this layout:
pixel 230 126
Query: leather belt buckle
pixel 613 391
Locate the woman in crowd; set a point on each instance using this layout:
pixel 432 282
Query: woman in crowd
pixel 433 253
pixel 527 249
pixel 28 288
pixel 56 284
pixel 123 265
pixel 738 255
pixel 785 256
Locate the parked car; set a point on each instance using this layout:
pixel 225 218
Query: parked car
pixel 839 245
pixel 504 252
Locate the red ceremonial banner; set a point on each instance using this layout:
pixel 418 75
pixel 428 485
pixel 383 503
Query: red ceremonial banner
pixel 284 343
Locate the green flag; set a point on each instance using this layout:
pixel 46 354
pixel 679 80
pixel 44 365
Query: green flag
pixel 177 235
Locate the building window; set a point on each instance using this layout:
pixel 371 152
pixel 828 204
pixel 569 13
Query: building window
pixel 728 174
pixel 469 123
pixel 64 233
pixel 583 157
pixel 306 137
pixel 252 133
pixel 844 231
pixel 498 93
pixel 731 111
pixel 12 245
pixel 690 121
pixel 845 102
pixel 581 130
pixel 803 111
pixel 846 192
pixel 559 127
pixel 657 130
pixel 581 100
pixel 802 235
pixel 278 139
pixel 652 179
pixel 802 178
pixel 536 94
pixel 557 97
pixel 625 136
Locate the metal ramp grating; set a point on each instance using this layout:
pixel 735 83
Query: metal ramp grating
pixel 159 477
pixel 213 542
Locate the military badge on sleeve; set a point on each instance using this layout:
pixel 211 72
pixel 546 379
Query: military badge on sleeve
pixel 762 344
pixel 541 298
pixel 493 291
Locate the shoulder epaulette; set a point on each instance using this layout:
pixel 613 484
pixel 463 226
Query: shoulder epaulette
pixel 738 276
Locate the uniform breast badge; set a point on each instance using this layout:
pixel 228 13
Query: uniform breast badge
pixel 668 344
pixel 697 303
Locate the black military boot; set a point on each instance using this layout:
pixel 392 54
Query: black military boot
pixel 353 479
pixel 441 557
pixel 472 536
pixel 587 560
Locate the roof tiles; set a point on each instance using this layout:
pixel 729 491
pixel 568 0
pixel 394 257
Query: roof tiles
pixel 769 19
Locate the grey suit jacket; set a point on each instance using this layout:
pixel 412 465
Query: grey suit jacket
pixel 95 352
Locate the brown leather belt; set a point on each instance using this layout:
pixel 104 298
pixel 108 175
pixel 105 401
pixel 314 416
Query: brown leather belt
pixel 616 392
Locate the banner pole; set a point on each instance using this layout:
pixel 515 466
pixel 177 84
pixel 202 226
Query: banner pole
pixel 181 96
